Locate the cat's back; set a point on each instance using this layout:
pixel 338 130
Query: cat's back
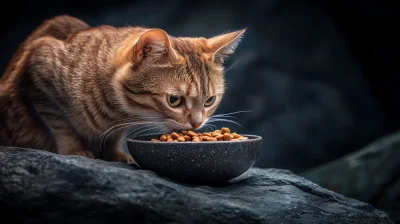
pixel 18 126
pixel 60 27
pixel 113 36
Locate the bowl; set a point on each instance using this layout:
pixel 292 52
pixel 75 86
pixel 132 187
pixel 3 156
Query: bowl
pixel 195 162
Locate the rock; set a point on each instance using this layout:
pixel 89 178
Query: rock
pixel 371 174
pixel 38 187
pixel 389 201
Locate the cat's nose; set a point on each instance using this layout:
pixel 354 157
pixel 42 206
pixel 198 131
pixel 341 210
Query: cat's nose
pixel 195 125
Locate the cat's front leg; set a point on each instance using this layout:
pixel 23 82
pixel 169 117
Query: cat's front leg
pixel 118 156
pixel 75 150
pixel 113 152
pixel 68 143
pixel 66 139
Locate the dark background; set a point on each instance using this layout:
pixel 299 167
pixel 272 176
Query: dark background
pixel 320 76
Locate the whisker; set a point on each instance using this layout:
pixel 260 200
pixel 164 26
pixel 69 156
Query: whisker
pixel 125 119
pixel 163 131
pixel 209 124
pixel 137 129
pixel 168 129
pixel 158 124
pixel 124 125
pixel 147 129
pixel 223 116
pixel 211 120
pixel 104 138
pixel 114 126
pixel 236 112
pixel 204 127
pixel 128 133
pixel 215 126
pixel 132 119
pixel 132 133
pixel 128 123
pixel 160 132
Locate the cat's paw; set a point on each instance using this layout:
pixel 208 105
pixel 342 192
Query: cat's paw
pixel 121 157
pixel 84 153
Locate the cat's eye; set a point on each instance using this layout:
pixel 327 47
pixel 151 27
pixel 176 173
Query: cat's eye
pixel 209 101
pixel 174 101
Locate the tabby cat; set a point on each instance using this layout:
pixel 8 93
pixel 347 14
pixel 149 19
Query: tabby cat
pixel 68 83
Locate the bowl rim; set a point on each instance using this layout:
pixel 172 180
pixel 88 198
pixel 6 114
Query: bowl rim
pixel 254 138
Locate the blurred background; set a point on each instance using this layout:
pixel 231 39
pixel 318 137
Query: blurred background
pixel 321 78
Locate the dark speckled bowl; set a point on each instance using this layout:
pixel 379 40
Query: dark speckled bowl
pixel 203 162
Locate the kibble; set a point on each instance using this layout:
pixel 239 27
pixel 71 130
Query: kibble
pixel 174 135
pixel 192 133
pixel 215 134
pixel 225 130
pixel 211 139
pixel 227 136
pixel 207 134
pixel 190 136
pixel 181 139
pixel 204 138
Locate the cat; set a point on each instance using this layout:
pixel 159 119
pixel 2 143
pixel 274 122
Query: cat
pixel 68 83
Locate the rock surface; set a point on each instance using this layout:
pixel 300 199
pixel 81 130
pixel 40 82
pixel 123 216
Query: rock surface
pixel 38 187
pixel 371 174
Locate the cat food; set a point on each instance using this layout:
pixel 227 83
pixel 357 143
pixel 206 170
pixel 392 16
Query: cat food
pixel 190 136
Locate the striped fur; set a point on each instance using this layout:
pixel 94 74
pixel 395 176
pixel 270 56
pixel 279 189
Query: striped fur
pixel 68 82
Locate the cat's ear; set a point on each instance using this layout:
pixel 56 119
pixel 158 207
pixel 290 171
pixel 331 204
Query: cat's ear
pixel 224 45
pixel 153 45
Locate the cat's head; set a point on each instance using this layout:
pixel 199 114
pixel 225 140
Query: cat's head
pixel 176 81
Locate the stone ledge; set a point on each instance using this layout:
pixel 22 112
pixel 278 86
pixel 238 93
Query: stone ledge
pixel 37 187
